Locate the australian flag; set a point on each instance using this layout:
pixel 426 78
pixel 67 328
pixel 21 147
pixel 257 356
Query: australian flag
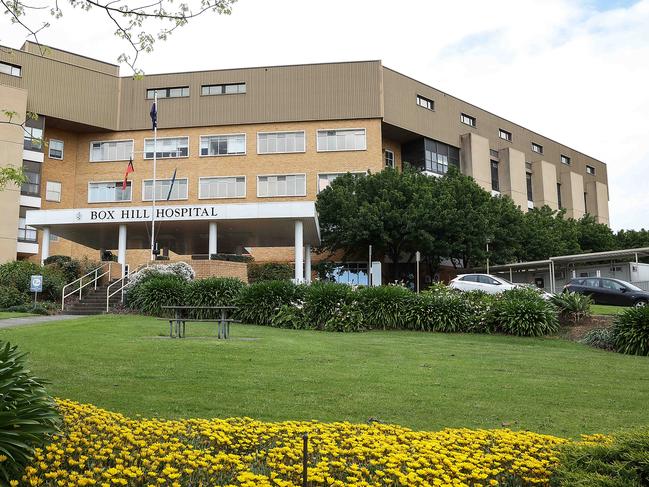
pixel 154 115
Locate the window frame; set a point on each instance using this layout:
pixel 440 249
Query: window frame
pixel 49 149
pixel 12 67
pixel 339 173
pixel 167 89
pixel 537 148
pixel 245 88
pixel 303 132
pixel 590 170
pixel 283 174
pixel 508 135
pixel 337 130
pixel 109 160
pixel 385 158
pixel 473 120
pixel 113 201
pixel 565 160
pixel 245 188
pixel 494 165
pixel 60 191
pixel 422 98
pixel 165 138
pixel 144 181
pixel 245 145
pixel 529 187
pixel 559 199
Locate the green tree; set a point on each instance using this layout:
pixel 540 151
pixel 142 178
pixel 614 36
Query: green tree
pixel 545 233
pixel 593 236
pixel 632 239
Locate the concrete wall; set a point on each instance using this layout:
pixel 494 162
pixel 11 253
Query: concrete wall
pixel 475 160
pixel 512 176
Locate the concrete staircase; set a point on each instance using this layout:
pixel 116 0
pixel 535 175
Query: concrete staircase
pixel 93 302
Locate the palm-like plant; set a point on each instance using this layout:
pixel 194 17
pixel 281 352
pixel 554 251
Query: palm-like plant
pixel 28 415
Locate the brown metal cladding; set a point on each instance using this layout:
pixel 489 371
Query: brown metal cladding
pixel 273 94
pixel 443 124
pixel 71 58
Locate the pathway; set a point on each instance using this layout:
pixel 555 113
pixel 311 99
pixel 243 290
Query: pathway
pixel 35 320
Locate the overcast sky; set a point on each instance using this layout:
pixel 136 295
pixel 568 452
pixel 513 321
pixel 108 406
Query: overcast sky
pixel 575 71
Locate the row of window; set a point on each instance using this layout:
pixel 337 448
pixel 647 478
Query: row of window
pixel 268 186
pixel 206 90
pixel 226 144
pixel 10 69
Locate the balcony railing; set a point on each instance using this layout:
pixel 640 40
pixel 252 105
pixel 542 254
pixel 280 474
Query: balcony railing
pixel 27 235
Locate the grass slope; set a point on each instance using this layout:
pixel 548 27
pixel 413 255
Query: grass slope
pixel 605 309
pixel 14 314
pixel 421 380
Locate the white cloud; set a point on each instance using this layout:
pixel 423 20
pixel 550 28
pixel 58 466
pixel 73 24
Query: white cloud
pixel 564 68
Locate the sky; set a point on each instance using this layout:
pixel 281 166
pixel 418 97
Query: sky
pixel 575 71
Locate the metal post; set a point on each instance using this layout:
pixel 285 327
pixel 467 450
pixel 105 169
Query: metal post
pixel 511 275
pixel 487 256
pixel 369 268
pixel 305 458
pixel 155 149
pixel 417 259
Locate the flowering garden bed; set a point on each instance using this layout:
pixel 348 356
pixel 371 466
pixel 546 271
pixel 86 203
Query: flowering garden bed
pixel 97 447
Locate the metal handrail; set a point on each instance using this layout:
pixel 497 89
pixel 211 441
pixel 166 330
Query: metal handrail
pixel 79 281
pixel 109 295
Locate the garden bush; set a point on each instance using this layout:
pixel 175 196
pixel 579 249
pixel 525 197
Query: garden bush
pixel 10 296
pixel 270 271
pixel 524 312
pixel 599 338
pixel 323 301
pixel 39 308
pixel 259 302
pixel 212 291
pixel 54 279
pixel 618 461
pixel 289 316
pixel 438 311
pixel 70 268
pixel 384 307
pixel 149 296
pixel 573 307
pixel 181 270
pixel 17 274
pixel 630 331
pixel 27 414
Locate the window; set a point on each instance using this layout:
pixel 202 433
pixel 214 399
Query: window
pixel 280 142
pixel 503 134
pixel 32 171
pixel 167 147
pixel 467 119
pixel 537 148
pixel 341 140
pixel 223 187
pixel 118 150
pixel 281 185
pixel 352 273
pixel 389 158
pixel 177 92
pixel 590 170
pixel 56 149
pixel 585 202
pixel 565 160
pixel 54 237
pixel 178 192
pixel 109 192
pixel 495 184
pixel 425 103
pixel 324 180
pixel 10 69
pixel 33 138
pixel 612 285
pixel 559 195
pixel 223 145
pixel 438 156
pixel 470 278
pixel 53 191
pixel 225 89
pixel 494 153
pixel 592 282
pixel 530 195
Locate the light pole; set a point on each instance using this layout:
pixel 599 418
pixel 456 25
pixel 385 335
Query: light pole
pixel 488 241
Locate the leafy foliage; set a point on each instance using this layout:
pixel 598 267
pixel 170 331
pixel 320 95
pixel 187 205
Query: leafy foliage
pixel 27 414
pixel 384 307
pixel 573 307
pixel 270 271
pixel 149 296
pixel 10 296
pixel 438 311
pixel 599 338
pixel 630 331
pixel 524 312
pixel 620 461
pixel 323 301
pixel 259 302
pixel 17 274
pixel 212 291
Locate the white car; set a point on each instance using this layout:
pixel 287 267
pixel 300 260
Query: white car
pixel 482 282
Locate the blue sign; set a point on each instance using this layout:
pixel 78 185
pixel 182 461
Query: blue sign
pixel 36 284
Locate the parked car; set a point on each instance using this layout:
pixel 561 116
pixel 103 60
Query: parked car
pixel 606 290
pixel 481 282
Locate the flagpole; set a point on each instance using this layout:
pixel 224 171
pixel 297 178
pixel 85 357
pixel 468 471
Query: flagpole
pixel 155 150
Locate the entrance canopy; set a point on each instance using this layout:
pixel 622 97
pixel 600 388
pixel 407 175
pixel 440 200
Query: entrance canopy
pixel 184 229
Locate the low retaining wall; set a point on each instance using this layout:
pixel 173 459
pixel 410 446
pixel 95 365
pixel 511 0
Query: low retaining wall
pixel 215 268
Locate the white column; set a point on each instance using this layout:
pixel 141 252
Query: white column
pixel 121 248
pixel 45 244
pixel 307 263
pixel 212 242
pixel 299 251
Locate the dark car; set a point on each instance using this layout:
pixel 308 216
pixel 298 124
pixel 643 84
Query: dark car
pixel 605 290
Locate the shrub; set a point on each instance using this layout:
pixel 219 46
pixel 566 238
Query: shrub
pixel 573 307
pixel 150 296
pixel 289 316
pixel 70 268
pixel 39 308
pixel 346 318
pixel 621 461
pixel 259 302
pixel 231 257
pixel 53 281
pixel 212 291
pixel 384 307
pixel 323 301
pixel 10 296
pixel 524 312
pixel 181 270
pixel 438 311
pixel 27 414
pixel 18 273
pixel 270 271
pixel 480 305
pixel 630 331
pixel 599 338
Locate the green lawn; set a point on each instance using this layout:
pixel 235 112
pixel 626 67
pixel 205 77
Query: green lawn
pixel 13 314
pixel 421 380
pixel 605 309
